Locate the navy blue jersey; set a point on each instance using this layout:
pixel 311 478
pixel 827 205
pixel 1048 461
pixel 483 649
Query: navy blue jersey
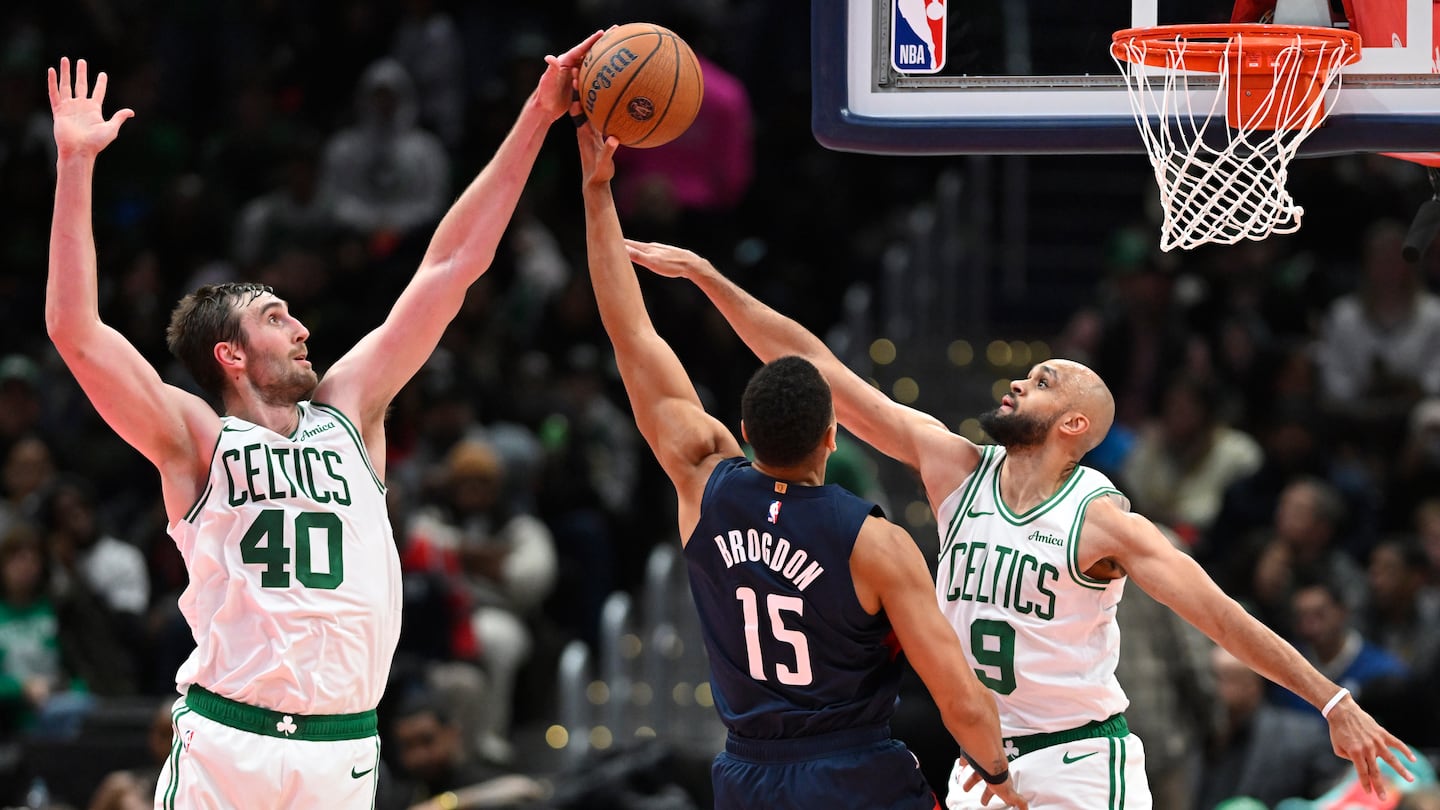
pixel 792 652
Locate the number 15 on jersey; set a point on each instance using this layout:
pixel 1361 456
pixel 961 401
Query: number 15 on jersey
pixel 775 605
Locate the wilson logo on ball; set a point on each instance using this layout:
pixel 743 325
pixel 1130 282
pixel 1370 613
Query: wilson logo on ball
pixel 607 74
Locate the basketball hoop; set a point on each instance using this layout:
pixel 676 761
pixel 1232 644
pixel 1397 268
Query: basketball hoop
pixel 1224 184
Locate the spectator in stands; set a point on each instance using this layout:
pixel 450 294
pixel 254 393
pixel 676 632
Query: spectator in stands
pixel 427 44
pixel 1415 476
pixel 113 568
pixel 386 177
pixel 134 788
pixel 239 159
pixel 19 399
pixel 1179 469
pixel 1326 638
pixel 503 561
pixel 103 588
pixel 292 215
pixel 587 485
pixel 1402 614
pixel 1134 336
pixel 1300 546
pixel 35 692
pixel 1377 345
pixel 1261 751
pixel 25 478
pixel 435 770
pixel 1293 432
pixel 1427 528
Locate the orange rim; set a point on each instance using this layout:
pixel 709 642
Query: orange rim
pixel 1206 45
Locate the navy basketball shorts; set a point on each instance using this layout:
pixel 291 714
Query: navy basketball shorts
pixel 861 768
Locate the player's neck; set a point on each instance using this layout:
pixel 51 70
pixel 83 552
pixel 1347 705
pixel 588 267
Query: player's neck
pixel 1029 476
pixel 282 418
pixel 804 475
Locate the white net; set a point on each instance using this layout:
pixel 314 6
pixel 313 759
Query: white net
pixel 1222 158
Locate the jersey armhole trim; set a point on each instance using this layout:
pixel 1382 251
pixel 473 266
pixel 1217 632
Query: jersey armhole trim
pixel 1072 554
pixel 355 437
pixel 968 493
pixel 209 480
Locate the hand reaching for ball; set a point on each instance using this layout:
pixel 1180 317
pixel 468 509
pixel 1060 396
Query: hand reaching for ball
pixel 557 86
pixel 597 154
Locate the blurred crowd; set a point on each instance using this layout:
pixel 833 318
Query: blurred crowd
pixel 1279 402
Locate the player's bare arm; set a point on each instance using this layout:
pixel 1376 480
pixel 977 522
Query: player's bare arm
pixel 1176 580
pixel 890 574
pixel 368 377
pixel 687 441
pixel 913 438
pixel 175 430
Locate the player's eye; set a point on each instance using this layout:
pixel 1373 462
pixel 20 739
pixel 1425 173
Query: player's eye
pixel 1041 384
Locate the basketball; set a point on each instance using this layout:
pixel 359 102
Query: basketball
pixel 641 83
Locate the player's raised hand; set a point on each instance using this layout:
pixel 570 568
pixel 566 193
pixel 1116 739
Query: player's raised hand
pixel 597 154
pixel 667 260
pixel 1357 737
pixel 557 86
pixel 80 126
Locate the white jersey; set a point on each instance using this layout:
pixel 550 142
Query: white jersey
pixel 294 594
pixel 1039 632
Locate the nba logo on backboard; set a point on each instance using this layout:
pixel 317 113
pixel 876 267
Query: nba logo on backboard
pixel 917 35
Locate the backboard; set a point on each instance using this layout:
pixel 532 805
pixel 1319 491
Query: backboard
pixel 1008 77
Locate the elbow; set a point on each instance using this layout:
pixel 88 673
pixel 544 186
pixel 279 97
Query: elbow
pixel 970 712
pixel 60 328
pixel 67 331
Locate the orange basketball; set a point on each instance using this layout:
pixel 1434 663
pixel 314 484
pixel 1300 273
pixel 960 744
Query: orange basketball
pixel 641 83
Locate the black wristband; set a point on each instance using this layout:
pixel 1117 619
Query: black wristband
pixel 991 778
pixel 578 120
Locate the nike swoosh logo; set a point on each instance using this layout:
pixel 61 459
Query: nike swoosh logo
pixel 973 513
pixel 354 774
pixel 1067 759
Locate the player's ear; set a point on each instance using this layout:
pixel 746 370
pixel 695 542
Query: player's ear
pixel 829 438
pixel 1074 424
pixel 742 431
pixel 229 355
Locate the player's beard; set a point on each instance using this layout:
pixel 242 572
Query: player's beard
pixel 291 385
pixel 1015 429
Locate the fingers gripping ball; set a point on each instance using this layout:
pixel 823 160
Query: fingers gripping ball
pixel 641 83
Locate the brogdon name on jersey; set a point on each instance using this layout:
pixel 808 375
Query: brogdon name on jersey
pixel 294 594
pixel 1039 632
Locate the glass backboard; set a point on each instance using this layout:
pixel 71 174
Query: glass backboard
pixel 1015 77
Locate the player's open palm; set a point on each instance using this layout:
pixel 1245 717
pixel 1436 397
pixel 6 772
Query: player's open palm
pixel 1357 737
pixel 665 260
pixel 80 126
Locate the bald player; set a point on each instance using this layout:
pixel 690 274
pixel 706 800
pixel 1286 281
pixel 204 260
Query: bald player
pixel 1034 552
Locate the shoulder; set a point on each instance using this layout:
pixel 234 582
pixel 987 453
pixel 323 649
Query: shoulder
pixel 883 547
pixel 1108 523
pixel 947 460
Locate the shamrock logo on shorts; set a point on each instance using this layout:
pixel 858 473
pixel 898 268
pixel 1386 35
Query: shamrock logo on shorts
pixel 287 725
pixel 1011 749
